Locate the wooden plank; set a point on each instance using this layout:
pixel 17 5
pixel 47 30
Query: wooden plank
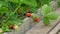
pixel 55 29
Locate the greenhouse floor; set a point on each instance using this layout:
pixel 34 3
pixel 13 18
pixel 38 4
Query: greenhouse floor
pixel 54 28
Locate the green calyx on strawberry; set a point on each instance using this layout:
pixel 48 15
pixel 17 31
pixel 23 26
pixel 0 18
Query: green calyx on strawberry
pixel 16 27
pixel 36 19
pixel 28 14
pixel 1 31
pixel 34 15
pixel 11 26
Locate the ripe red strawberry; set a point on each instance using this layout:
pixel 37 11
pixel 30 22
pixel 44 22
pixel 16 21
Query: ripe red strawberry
pixel 36 19
pixel 11 26
pixel 28 14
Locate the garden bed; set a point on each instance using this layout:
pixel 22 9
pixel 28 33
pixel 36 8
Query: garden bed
pixel 29 23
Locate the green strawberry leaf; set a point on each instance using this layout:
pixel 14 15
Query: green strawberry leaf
pixel 45 9
pixel 0 5
pixel 19 21
pixel 46 21
pixel 8 30
pixel 3 7
pixel 51 16
pixel 31 3
pixel 58 2
pixel 33 10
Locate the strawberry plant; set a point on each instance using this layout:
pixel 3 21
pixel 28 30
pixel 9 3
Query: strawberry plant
pixel 47 15
pixel 12 13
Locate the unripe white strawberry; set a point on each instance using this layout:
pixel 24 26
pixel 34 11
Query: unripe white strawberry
pixel 16 27
pixel 34 15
